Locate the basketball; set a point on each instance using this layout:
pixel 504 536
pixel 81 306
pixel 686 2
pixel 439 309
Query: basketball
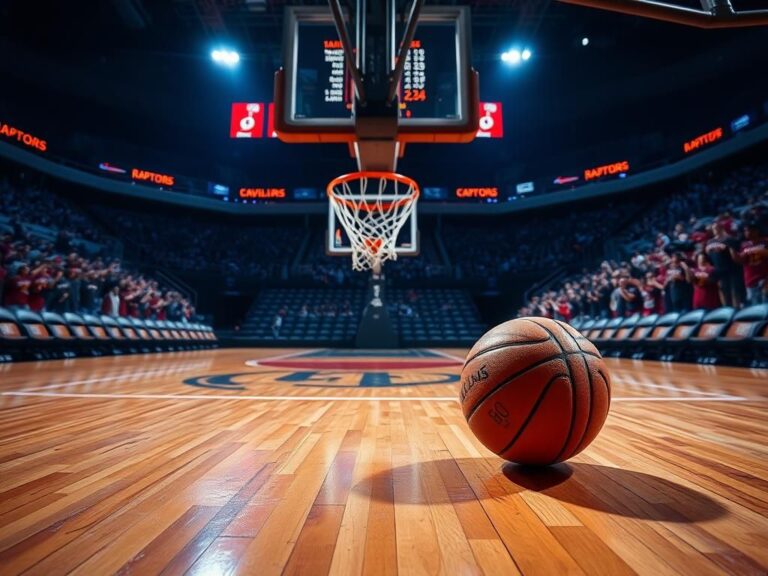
pixel 535 391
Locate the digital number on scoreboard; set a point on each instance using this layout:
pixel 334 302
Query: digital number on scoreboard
pixel 432 88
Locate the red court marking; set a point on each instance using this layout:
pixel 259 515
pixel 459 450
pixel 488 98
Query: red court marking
pixel 361 365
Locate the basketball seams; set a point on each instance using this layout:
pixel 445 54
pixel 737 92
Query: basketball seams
pixel 589 403
pixel 570 377
pixel 511 379
pixel 607 385
pixel 579 446
pixel 502 346
pixel 562 356
pixel 531 413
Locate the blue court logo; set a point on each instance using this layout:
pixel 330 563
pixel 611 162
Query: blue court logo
pixel 321 379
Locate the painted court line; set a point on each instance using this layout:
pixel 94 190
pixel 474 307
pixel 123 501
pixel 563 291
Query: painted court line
pixel 446 355
pixel 255 363
pixel 127 376
pixel 350 399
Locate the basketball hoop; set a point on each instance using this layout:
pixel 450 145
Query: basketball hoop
pixel 372 208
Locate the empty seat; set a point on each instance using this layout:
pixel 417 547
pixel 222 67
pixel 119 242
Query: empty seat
pixel 713 325
pixel 643 327
pixel 663 327
pixel 606 334
pixel 113 328
pixel 596 329
pixel 77 325
pixel 141 329
pixel 34 326
pixel 586 326
pixel 96 327
pixel 11 330
pixel 745 324
pixel 685 327
pixel 13 337
pixel 626 328
pixel 58 327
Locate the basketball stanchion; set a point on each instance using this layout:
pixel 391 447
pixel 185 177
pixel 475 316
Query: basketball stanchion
pixel 373 207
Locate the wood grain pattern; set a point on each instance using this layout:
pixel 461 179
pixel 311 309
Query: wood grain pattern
pixel 196 463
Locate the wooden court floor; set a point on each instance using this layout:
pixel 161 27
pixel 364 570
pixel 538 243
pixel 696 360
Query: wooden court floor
pixel 314 462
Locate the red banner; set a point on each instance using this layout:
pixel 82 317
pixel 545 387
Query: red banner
pixel 247 120
pixel 271 121
pixel 491 121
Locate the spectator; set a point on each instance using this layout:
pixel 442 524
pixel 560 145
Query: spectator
pixel 652 292
pixel 61 294
pixel 720 250
pixel 75 288
pixel 753 256
pixel 706 295
pixel 676 285
pixel 90 292
pixel 630 295
pixel 16 296
pixel 40 289
pixel 277 324
pixel 111 303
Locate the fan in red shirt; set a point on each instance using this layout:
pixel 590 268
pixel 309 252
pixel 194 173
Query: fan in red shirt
pixel 653 295
pixel 753 256
pixel 564 308
pixel 41 281
pixel 706 294
pixel 16 292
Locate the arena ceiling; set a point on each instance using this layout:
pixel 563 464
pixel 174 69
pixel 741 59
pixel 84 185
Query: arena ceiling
pixel 138 72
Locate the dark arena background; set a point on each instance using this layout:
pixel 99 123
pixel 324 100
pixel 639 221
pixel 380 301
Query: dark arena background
pixel 214 362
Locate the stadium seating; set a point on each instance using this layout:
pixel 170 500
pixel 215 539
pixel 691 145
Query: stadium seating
pixel 25 335
pixel 309 316
pixel 720 335
pixel 435 317
pixel 615 338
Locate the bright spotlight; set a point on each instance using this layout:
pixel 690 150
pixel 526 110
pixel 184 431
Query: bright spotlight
pixel 511 56
pixel 585 41
pixel 225 57
pixel 526 55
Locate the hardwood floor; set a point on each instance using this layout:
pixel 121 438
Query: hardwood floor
pixel 199 463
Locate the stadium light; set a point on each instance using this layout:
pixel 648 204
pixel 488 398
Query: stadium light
pixel 585 41
pixel 225 57
pixel 511 57
pixel 514 56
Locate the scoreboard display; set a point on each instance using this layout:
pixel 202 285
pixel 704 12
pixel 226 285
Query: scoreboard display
pixel 433 89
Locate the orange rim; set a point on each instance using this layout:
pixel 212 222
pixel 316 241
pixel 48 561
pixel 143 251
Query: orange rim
pixel 391 176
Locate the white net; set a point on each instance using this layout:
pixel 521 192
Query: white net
pixel 373 207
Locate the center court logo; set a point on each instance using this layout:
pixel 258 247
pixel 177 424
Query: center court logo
pixel 321 379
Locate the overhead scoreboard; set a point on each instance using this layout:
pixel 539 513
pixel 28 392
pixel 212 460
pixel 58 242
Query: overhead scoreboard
pixel 433 90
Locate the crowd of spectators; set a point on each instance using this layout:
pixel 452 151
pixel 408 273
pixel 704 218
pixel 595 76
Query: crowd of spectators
pixel 679 261
pixel 203 244
pixel 50 261
pixel 531 241
pixel 23 199
pixel 35 276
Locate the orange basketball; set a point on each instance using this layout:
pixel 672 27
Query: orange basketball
pixel 535 391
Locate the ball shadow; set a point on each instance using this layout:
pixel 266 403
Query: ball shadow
pixel 626 493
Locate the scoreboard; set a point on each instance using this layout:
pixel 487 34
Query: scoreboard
pixel 432 91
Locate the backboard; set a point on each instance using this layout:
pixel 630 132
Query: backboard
pixel 433 91
pixel 437 98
